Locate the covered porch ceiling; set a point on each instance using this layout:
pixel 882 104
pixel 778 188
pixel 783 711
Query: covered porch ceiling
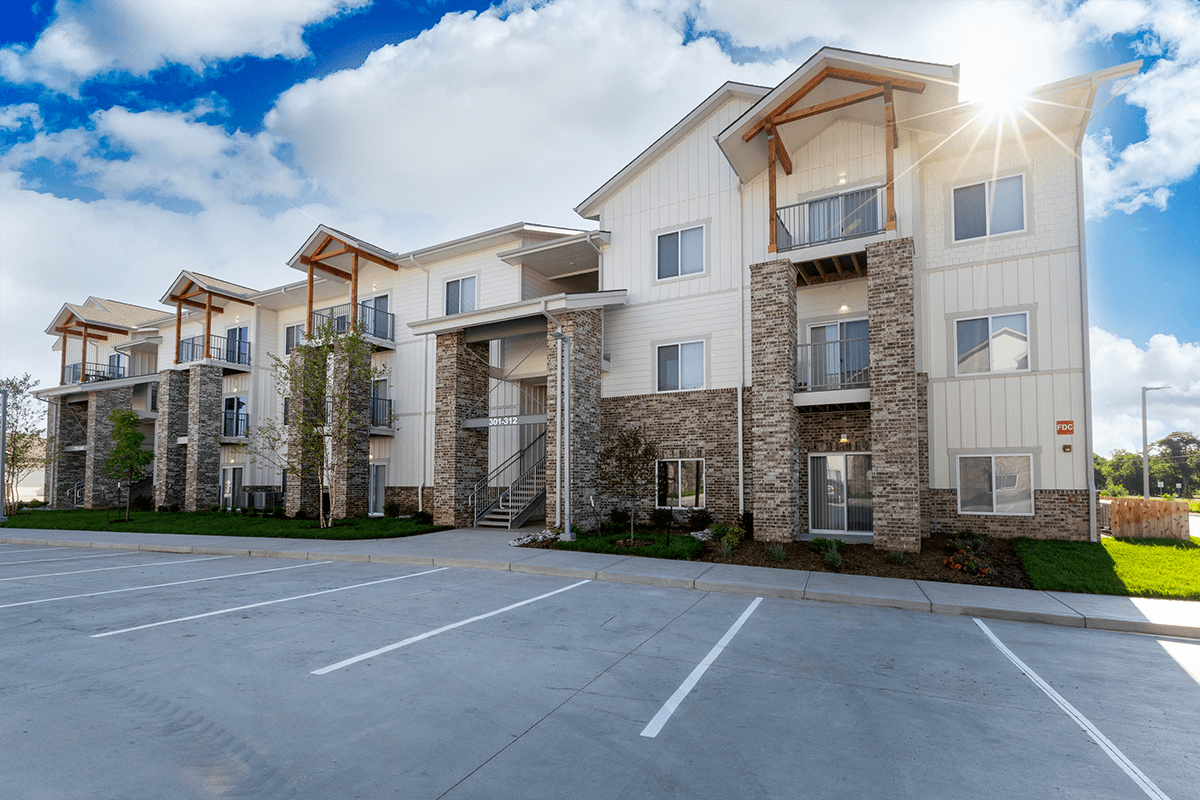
pixel 561 258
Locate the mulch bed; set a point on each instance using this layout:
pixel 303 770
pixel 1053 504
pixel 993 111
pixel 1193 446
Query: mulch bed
pixel 864 559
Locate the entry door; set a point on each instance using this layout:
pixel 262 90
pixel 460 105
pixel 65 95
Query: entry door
pixel 839 493
pixel 378 476
pixel 237 345
pixel 231 486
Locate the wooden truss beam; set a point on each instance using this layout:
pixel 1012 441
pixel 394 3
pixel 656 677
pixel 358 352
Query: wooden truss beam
pixel 183 301
pixel 795 97
pixel 831 105
pixel 781 152
pixel 858 270
pixel 837 264
pixel 873 79
pixel 93 326
pixel 82 334
pixel 339 273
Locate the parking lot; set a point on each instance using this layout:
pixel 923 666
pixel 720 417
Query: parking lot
pixel 127 674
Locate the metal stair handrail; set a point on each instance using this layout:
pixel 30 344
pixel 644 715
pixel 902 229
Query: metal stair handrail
pixel 485 495
pixel 532 480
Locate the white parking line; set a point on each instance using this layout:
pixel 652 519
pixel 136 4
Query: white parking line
pixel 1144 783
pixel 664 713
pixel 264 603
pixel 106 569
pixel 443 629
pixel 161 585
pixel 71 558
pixel 34 549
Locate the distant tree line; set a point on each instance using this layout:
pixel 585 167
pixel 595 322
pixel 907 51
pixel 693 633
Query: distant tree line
pixel 1174 459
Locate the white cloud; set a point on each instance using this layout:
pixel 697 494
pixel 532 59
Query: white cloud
pixel 1119 371
pixel 95 37
pixel 12 117
pixel 484 119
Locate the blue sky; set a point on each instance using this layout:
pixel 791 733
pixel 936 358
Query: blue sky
pixel 138 138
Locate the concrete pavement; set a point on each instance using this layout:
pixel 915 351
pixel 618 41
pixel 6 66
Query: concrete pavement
pixel 486 549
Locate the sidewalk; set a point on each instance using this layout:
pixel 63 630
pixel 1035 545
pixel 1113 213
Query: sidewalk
pixel 486 549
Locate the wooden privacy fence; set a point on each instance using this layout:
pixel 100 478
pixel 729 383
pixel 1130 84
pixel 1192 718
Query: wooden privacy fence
pixel 1135 518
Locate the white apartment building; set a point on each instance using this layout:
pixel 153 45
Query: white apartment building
pixel 849 305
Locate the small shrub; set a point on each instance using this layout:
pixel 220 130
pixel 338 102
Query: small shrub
pixel 143 502
pixel 732 536
pixel 822 545
pixel 968 562
pixel 896 556
pixel 777 551
pixel 833 558
pixel 1167 496
pixel 619 517
pixel 967 540
pixel 724 547
pixel 277 512
pixel 214 509
pixel 425 518
pixel 662 518
pixel 746 522
pixel 391 508
pixel 1194 506
pixel 699 518
pixel 173 508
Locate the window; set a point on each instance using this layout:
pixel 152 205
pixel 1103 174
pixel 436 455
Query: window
pixel 838 356
pixel 291 337
pixel 376 319
pixel 681 366
pixel 237 345
pixel 460 296
pixel 237 421
pixel 989 208
pixel 681 253
pixel 995 484
pixel 154 396
pixel 993 344
pixel 681 483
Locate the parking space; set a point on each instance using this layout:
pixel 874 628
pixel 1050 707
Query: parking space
pixel 153 675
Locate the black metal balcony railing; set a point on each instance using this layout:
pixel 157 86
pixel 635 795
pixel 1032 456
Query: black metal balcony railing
pixel 220 348
pixel 88 371
pixel 371 321
pixel 236 424
pixel 830 219
pixel 840 364
pixel 381 412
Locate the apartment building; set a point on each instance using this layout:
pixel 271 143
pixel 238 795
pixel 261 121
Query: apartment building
pixel 849 304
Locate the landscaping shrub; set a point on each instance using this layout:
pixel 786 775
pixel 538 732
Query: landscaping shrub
pixel 391 508
pixel 968 562
pixel 896 556
pixel 699 518
pixel 423 518
pixel 662 518
pixel 777 551
pixel 143 502
pixel 828 548
pixel 619 516
pixel 277 512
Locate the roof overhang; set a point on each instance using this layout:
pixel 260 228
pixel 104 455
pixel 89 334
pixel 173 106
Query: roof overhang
pixel 502 317
pixel 563 257
pixel 194 290
pixel 496 237
pixel 829 76
pixel 335 253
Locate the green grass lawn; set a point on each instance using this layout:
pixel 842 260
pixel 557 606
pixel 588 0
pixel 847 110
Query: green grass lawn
pixel 215 524
pixel 1134 567
pixel 682 547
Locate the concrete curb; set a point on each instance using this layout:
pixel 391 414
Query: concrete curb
pixel 1104 612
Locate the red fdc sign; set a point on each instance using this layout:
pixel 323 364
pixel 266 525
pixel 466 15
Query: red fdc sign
pixel 1066 427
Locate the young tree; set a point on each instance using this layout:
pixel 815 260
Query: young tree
pixel 128 461
pixel 625 463
pixel 326 384
pixel 25 442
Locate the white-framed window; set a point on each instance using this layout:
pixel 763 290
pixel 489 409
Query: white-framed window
pixel 460 295
pixel 236 421
pixel 116 365
pixel 680 483
pixel 995 484
pixel 680 366
pixel 989 208
pixel 681 253
pixel 996 343
pixel 292 336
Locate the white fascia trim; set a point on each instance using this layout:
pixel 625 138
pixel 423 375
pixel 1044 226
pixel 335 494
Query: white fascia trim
pixel 525 308
pixel 478 241
pixel 514 256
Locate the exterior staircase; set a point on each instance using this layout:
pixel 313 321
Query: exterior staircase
pixel 503 503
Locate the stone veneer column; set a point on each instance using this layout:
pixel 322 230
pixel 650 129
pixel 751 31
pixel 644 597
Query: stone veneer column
pixel 460 455
pixel 895 461
pixel 350 482
pixel 170 457
pixel 67 427
pixel 100 491
pixel 202 478
pixel 775 433
pixel 585 329
pixel 303 495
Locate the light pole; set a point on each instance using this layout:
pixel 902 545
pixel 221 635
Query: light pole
pixel 1146 444
pixel 568 533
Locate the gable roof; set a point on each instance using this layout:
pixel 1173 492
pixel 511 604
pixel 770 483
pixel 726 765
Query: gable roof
pixel 101 311
pixel 590 208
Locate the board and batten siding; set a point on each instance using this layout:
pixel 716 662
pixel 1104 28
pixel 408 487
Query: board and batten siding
pixel 1036 271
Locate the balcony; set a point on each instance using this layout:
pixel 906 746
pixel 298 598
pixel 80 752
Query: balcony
pixel 372 322
pixel 91 372
pixel 381 412
pixel 219 348
pixel 833 372
pixel 827 220
pixel 235 425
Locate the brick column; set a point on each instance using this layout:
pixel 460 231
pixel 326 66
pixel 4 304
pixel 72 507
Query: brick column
pixel 202 473
pixel 460 455
pixel 775 432
pixel 585 329
pixel 303 495
pixel 170 457
pixel 67 428
pixel 895 462
pixel 351 449
pixel 100 491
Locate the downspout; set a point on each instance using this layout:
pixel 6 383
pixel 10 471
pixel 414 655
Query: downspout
pixel 741 431
pixel 1089 459
pixel 424 397
pixel 558 420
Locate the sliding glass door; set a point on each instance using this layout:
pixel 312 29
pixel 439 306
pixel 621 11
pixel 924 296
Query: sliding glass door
pixel 839 493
